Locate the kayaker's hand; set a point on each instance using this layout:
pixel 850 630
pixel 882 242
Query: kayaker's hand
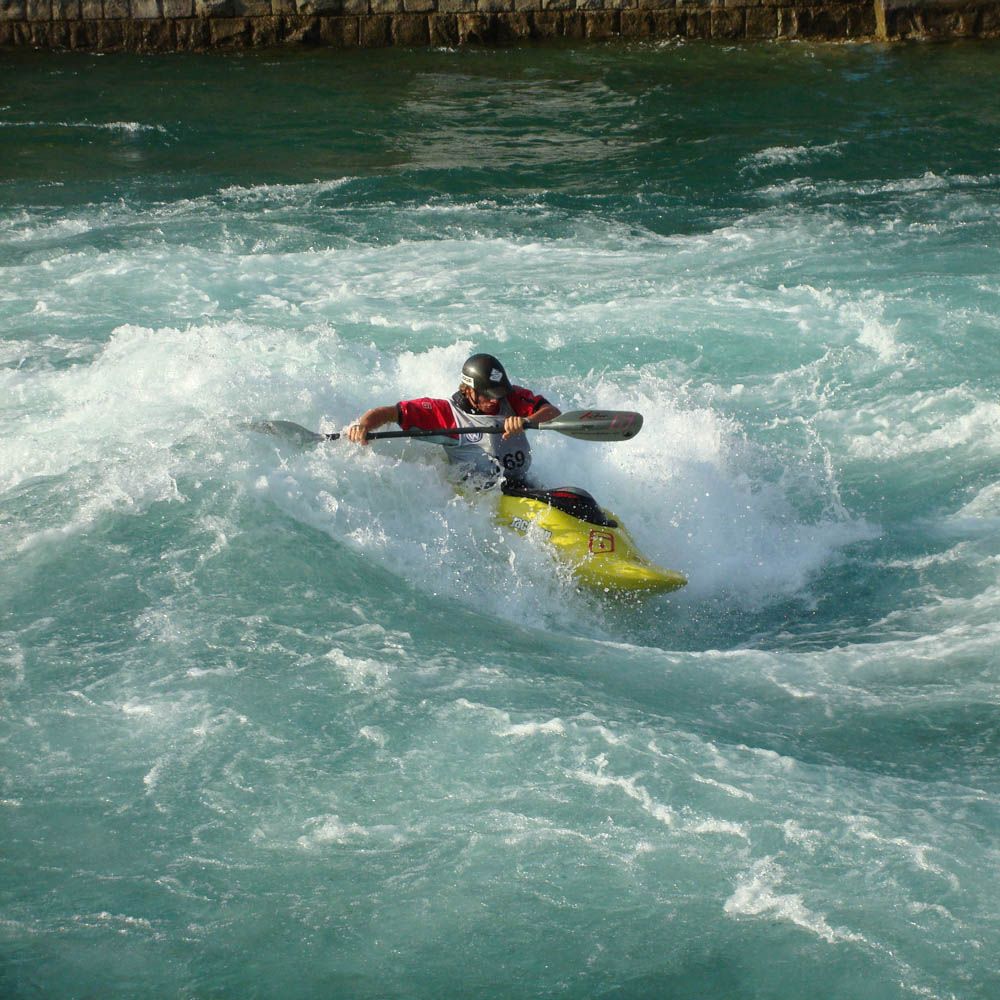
pixel 512 426
pixel 358 433
pixel 370 421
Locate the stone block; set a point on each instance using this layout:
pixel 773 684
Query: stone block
pixel 494 6
pixel 512 28
pixel 589 4
pixel 761 23
pixel 822 22
pixel 339 32
pixel 788 23
pixel 546 24
pixel 66 10
pixel 637 24
pixel 453 6
pixel 862 22
pixel 266 32
pixel 38 10
pixel 698 23
pixel 252 8
pixel 192 35
pixel 12 10
pixel 83 35
pixel 300 29
pixel 527 5
pixel 989 21
pixel 386 6
pixel 419 6
pixel 111 35
pixel 940 23
pixel 443 30
pixel 476 29
pixel 229 32
pixel 574 25
pixel 213 8
pixel 376 31
pixel 157 36
pixel 602 24
pixel 728 23
pixel 59 35
pixel 178 8
pixel 143 10
pixel 558 4
pixel 411 30
pixel 670 24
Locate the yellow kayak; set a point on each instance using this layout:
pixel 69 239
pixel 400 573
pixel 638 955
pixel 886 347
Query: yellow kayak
pixel 591 540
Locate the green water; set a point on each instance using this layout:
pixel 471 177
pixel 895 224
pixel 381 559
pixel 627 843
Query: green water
pixel 302 722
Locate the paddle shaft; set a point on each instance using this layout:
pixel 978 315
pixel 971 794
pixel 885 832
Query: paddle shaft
pixel 417 432
pixel 587 425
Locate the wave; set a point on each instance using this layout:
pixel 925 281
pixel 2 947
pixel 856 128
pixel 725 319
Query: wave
pixel 783 156
pixel 129 128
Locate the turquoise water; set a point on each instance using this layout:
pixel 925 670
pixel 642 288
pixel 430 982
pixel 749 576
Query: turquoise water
pixel 303 723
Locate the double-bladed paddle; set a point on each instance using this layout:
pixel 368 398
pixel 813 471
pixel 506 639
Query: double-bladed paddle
pixel 586 425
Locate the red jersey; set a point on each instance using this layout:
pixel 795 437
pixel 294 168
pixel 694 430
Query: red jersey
pixel 487 455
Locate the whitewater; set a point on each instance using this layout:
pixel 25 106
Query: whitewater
pixel 296 721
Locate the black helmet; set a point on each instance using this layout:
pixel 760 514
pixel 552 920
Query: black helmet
pixel 486 375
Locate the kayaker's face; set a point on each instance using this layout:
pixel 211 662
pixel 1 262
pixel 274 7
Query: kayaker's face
pixel 485 404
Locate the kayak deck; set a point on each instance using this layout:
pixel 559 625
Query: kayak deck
pixel 591 540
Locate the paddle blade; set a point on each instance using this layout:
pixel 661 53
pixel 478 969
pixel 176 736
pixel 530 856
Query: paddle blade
pixel 288 430
pixel 596 425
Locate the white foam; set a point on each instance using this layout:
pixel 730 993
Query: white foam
pixel 551 727
pixel 737 793
pixel 722 827
pixel 932 422
pixel 781 156
pixel 756 896
pixel 360 673
pixel 373 734
pixel 133 128
pixel 631 788
pixel 331 829
pixel 984 505
pixel 271 193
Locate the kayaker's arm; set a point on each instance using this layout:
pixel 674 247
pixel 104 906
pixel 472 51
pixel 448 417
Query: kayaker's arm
pixel 370 421
pixel 515 425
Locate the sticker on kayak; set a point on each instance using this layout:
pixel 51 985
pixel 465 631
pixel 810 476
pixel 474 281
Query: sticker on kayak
pixel 520 524
pixel 601 542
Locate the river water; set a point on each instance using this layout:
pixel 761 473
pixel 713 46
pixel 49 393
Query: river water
pixel 301 722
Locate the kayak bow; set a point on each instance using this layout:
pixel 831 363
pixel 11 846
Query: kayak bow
pixel 591 540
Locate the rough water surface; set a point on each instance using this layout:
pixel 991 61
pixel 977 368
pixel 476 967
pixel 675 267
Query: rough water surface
pixel 302 722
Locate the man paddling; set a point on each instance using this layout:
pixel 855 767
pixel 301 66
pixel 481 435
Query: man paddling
pixel 484 399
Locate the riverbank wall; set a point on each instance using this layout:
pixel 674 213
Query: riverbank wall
pixel 192 25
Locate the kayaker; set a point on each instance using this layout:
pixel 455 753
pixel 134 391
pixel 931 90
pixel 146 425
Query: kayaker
pixel 484 398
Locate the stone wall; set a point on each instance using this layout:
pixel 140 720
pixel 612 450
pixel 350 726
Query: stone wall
pixel 169 25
